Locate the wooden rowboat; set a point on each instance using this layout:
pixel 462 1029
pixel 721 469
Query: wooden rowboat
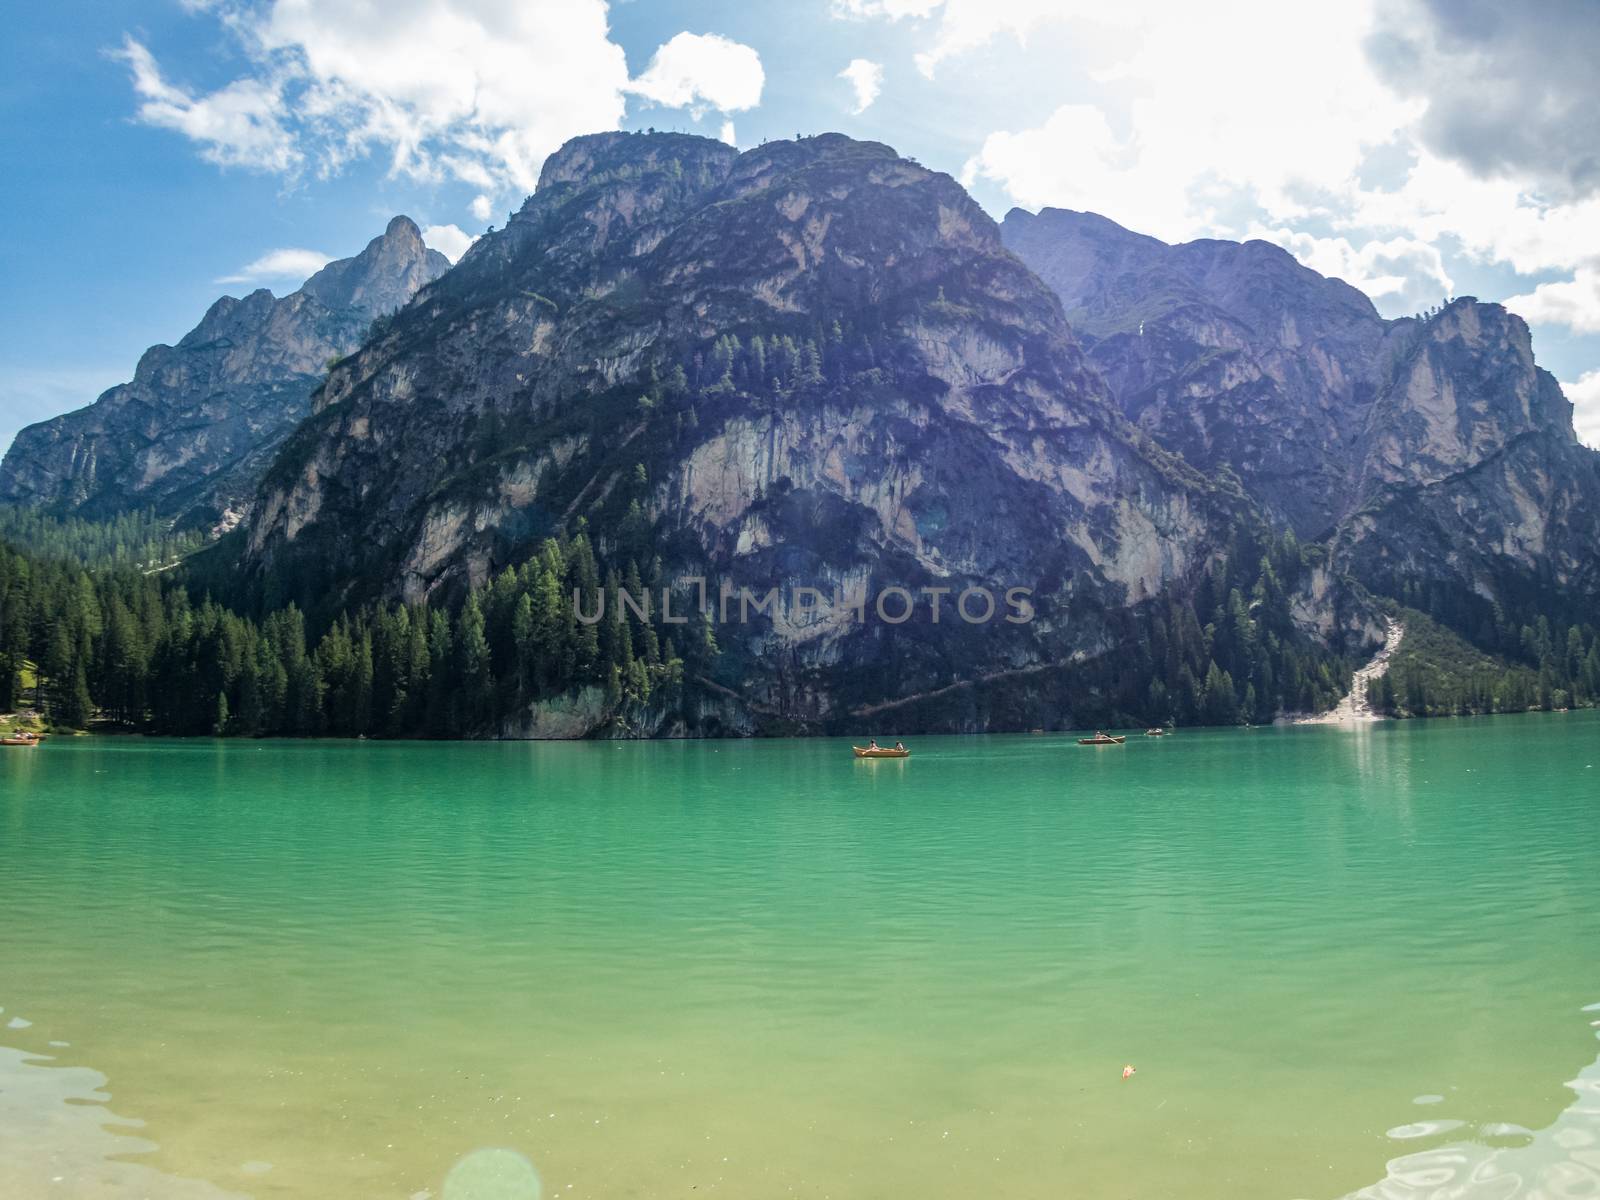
pixel 879 752
pixel 1102 739
pixel 24 739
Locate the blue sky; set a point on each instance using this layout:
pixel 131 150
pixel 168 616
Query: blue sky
pixel 162 152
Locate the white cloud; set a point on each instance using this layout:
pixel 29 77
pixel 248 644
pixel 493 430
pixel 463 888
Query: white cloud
pixel 1506 96
pixel 1402 274
pixel 448 240
pixel 287 263
pixel 967 24
pixel 1573 302
pixel 1213 120
pixel 694 69
pixel 1585 397
pixel 236 126
pixel 478 91
pixel 1214 123
pixel 964 24
pixel 450 88
pixel 1075 160
pixel 1495 220
pixel 482 207
pixel 727 134
pixel 866 80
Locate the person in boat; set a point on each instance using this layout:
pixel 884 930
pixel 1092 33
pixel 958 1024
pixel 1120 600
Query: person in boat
pixel 872 743
pixel 899 745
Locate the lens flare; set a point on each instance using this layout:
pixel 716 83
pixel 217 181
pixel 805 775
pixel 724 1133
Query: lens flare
pixel 491 1174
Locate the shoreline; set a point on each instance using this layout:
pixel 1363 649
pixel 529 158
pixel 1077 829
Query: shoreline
pixel 1285 721
pixel 1354 709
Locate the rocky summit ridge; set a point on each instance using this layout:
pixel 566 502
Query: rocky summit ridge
pixel 1430 453
pixel 191 433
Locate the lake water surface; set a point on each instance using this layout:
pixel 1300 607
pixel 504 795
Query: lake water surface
pixel 1341 961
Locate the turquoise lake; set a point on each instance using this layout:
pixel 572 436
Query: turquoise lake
pixel 1343 961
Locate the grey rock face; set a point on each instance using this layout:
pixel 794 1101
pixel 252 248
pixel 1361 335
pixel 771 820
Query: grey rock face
pixel 190 434
pixel 1470 474
pixel 937 427
pixel 1231 354
pixel 1430 451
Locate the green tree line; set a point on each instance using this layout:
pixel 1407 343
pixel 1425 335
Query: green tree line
pixel 135 539
pixel 1231 654
pixel 1437 674
pixel 137 650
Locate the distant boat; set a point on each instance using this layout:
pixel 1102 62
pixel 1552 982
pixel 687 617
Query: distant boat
pixel 20 739
pixel 879 752
pixel 1155 733
pixel 1103 739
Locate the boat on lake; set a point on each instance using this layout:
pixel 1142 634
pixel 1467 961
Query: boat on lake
pixel 880 752
pixel 19 739
pixel 1155 733
pixel 1103 739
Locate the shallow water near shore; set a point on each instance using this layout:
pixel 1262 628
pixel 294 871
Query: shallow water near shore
pixel 753 969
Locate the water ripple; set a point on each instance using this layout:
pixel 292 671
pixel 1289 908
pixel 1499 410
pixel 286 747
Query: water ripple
pixel 56 1129
pixel 1559 1162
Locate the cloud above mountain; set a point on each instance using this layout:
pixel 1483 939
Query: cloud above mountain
pixel 1585 397
pixel 448 240
pixel 865 78
pixel 477 91
pixel 1407 145
pixel 1511 91
pixel 1409 272
pixel 238 125
pixel 704 71
pixel 285 264
pixel 1441 127
pixel 1574 303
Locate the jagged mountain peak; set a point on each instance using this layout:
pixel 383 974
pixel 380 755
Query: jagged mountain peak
pixel 599 191
pixel 191 432
pixel 799 152
pixel 1266 277
pixel 383 276
pixel 226 314
pixel 607 201
pixel 592 157
pixel 1464 387
pixel 1431 453
pixel 1107 274
pixel 635 164
pixel 1086 223
pixel 598 158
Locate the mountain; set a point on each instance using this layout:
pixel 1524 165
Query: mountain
pixel 191 433
pixel 812 363
pixel 1231 354
pixel 1473 492
pixel 1431 455
pixel 711 442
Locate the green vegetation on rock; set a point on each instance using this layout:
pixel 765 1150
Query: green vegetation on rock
pixel 1435 673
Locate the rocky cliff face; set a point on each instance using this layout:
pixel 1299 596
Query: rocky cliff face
pixel 1470 477
pixel 1433 453
pixel 192 432
pixel 1231 354
pixel 813 363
